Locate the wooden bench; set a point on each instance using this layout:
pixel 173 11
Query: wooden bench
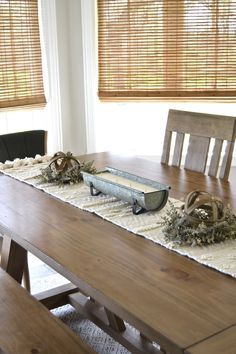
pixel 26 326
pixel 223 342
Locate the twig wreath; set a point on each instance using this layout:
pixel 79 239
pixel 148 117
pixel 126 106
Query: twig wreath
pixel 202 220
pixel 65 168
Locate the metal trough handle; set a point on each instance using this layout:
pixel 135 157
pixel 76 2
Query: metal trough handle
pixel 92 190
pixel 136 209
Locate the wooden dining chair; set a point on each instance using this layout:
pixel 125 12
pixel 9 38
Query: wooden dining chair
pixel 20 145
pixel 202 129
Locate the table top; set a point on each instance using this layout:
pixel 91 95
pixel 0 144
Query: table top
pixel 223 342
pixel 168 297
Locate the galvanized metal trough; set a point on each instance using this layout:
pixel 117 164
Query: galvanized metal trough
pixel 142 193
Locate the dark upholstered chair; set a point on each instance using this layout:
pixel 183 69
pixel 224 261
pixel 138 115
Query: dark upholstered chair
pixel 21 145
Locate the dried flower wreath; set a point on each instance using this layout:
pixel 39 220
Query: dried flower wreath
pixel 65 168
pixel 202 220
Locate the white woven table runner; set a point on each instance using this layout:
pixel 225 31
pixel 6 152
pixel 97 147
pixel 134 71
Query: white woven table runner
pixel 220 256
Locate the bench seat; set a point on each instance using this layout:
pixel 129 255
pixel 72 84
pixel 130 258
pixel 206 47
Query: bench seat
pixel 27 327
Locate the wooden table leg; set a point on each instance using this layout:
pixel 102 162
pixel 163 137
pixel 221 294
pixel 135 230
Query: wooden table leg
pixel 12 251
pixel 114 326
pixel 115 322
pixel 13 258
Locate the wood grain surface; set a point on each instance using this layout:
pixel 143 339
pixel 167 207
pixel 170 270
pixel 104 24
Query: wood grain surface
pixel 222 343
pixel 26 326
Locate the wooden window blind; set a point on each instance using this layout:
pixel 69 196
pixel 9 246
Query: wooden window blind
pixel 21 79
pixel 167 48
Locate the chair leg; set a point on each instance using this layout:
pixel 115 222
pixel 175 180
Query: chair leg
pixel 26 276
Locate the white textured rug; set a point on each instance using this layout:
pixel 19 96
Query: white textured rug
pixel 89 333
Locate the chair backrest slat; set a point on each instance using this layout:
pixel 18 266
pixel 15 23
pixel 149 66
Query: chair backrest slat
pixel 179 142
pixel 197 153
pixel 203 129
pixel 227 159
pixel 215 159
pixel 166 147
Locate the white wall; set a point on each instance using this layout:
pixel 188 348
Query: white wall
pixel 139 128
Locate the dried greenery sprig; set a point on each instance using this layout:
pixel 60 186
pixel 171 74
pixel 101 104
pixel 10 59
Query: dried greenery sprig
pixel 178 229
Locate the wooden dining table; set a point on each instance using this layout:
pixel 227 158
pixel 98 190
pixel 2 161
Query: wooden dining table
pixel 134 289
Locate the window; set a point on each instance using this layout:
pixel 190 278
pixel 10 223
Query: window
pixel 21 79
pixel 167 48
